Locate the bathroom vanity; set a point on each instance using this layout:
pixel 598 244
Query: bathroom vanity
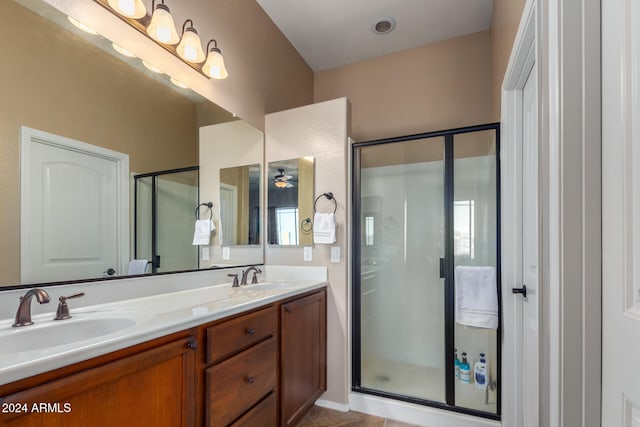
pixel 259 361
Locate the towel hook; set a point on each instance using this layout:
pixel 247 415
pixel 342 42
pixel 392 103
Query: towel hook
pixel 328 196
pixel 208 205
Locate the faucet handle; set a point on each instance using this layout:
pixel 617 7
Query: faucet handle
pixel 254 280
pixel 62 312
pixel 235 280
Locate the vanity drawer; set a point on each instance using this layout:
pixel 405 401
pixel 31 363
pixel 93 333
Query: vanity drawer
pixel 227 338
pixel 238 383
pixel 264 414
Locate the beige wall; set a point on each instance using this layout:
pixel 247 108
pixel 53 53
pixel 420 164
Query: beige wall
pixel 50 82
pixel 438 86
pixel 504 26
pixel 320 130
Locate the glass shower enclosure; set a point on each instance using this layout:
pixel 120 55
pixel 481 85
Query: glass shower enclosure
pixel 164 204
pixel 426 206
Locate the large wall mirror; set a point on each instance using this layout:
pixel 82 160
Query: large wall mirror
pixel 59 80
pixel 290 188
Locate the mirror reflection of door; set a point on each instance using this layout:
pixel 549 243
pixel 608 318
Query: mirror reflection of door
pixel 240 205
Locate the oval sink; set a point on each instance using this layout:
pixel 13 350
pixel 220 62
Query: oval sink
pixel 53 333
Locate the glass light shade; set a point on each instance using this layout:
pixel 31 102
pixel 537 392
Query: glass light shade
pixel 282 184
pixel 162 27
pixel 214 67
pixel 190 47
pixel 129 8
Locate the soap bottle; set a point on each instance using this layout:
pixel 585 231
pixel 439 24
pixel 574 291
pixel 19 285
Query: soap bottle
pixel 465 372
pixel 456 365
pixel 480 372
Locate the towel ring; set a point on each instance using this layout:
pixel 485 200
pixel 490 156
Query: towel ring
pixel 208 205
pixel 328 196
pixel 306 225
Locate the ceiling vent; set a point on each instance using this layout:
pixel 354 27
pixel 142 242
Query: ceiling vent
pixel 384 25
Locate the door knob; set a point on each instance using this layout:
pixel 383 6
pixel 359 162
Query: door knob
pixel 522 290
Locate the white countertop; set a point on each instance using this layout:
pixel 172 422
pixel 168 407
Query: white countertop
pixel 156 316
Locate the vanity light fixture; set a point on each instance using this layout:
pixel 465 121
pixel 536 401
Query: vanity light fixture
pixel 130 8
pixel 82 26
pixel 190 47
pixel 214 67
pixel 122 51
pixel 162 27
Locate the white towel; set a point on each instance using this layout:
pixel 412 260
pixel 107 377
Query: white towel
pixel 137 266
pixel 202 233
pixel 324 228
pixel 476 296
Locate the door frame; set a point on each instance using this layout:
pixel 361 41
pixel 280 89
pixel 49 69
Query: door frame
pixel 30 136
pixel 566 44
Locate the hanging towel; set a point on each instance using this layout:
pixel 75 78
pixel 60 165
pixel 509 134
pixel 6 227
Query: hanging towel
pixel 137 266
pixel 476 296
pixel 324 228
pixel 202 233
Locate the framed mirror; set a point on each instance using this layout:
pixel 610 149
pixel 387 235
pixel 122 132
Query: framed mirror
pixel 290 190
pixel 71 84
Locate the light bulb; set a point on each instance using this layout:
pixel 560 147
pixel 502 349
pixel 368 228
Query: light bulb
pixel 178 83
pixel 151 67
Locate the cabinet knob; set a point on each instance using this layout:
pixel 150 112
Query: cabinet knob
pixel 193 344
pixel 250 331
pixel 287 309
pixel 250 380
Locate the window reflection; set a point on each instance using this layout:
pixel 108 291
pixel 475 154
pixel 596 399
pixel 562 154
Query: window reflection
pixel 463 226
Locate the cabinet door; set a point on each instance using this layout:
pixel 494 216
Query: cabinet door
pixel 304 355
pixel 154 388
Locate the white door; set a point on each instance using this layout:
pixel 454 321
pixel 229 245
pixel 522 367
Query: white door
pixel 74 209
pixel 529 326
pixel 620 213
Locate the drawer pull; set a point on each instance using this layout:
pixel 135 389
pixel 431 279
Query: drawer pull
pixel 250 380
pixel 193 344
pixel 250 331
pixel 287 309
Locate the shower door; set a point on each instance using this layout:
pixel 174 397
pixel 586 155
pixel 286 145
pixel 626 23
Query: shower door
pixel 423 204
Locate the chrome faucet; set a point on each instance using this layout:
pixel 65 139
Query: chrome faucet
pixel 23 316
pixel 245 274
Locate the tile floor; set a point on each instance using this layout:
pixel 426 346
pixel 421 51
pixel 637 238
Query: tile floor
pixel 323 417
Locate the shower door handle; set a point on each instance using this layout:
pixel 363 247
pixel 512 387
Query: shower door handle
pixel 442 268
pixel 522 290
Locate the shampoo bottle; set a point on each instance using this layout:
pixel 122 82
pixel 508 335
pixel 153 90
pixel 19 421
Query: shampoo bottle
pixel 465 373
pixel 456 365
pixel 480 372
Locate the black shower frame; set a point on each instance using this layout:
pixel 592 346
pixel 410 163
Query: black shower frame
pixel 449 272
pixel 154 211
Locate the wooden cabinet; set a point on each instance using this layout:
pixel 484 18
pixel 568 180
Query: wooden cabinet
pixel 303 353
pixel 263 368
pixel 154 387
pixel 244 374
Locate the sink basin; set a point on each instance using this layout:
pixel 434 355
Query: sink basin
pixel 45 334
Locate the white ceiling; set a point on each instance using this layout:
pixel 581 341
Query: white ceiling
pixel 331 33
